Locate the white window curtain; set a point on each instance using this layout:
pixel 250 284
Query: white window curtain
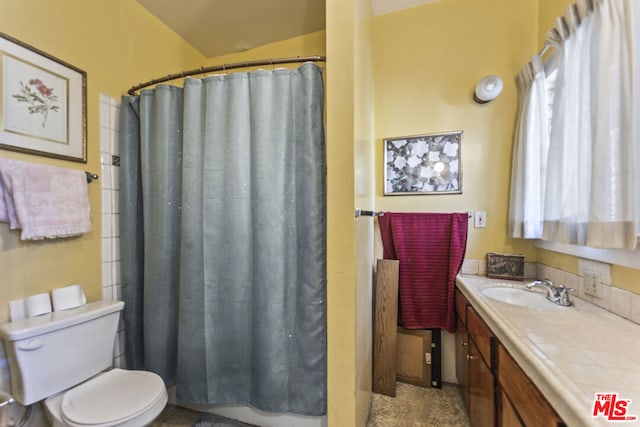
pixel 587 185
pixel 530 153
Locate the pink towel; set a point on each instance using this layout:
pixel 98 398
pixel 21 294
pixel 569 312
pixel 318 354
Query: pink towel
pixel 4 210
pixel 430 248
pixel 44 201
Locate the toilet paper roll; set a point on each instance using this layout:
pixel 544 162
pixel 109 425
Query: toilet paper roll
pixel 38 304
pixel 68 297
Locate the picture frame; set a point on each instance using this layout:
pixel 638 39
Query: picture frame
pixel 505 266
pixel 423 164
pixel 43 103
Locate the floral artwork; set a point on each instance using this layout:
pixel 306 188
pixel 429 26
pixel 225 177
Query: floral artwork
pixel 35 101
pixel 43 103
pixel 39 98
pixel 423 164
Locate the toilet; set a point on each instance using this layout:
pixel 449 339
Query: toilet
pixel 63 359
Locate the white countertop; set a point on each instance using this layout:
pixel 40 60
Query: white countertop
pixel 570 354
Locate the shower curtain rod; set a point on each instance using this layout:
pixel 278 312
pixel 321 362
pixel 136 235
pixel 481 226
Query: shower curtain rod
pixel 225 67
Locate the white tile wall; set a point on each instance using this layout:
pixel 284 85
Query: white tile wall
pixel 635 308
pixel 109 147
pixel 469 266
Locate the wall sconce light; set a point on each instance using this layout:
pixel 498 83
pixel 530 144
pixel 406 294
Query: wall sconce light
pixel 487 89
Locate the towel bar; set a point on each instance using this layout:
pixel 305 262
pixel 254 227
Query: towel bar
pixel 360 212
pixel 90 176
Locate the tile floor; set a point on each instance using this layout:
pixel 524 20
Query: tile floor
pixel 413 406
pixel 175 416
pixel 419 407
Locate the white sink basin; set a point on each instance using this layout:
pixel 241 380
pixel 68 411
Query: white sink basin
pixel 521 297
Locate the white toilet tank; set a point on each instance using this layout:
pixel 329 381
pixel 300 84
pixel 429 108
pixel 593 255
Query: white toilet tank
pixel 50 353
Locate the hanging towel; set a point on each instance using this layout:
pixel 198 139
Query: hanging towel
pixel 4 210
pixel 430 248
pixel 44 201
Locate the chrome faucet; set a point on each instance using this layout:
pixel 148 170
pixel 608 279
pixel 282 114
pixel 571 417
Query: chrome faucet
pixel 557 294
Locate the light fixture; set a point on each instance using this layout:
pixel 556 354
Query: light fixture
pixel 487 89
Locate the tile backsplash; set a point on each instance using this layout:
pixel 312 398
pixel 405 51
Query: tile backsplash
pixel 613 299
pixel 110 181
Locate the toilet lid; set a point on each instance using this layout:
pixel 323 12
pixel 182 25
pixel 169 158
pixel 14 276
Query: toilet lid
pixel 111 397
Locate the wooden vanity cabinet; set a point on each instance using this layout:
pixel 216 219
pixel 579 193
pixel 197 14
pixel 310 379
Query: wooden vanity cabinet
pixel 496 391
pixel 482 405
pixel 462 347
pixel 522 404
pixel 482 400
pixel 462 361
pixel 508 416
pixel 474 364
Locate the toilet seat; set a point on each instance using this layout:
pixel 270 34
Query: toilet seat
pixel 117 397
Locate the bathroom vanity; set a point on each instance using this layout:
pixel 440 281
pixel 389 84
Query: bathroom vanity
pixel 532 362
pixel 493 384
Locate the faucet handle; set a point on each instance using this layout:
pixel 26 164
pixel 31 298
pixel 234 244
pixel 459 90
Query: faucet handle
pixel 564 289
pixel 564 295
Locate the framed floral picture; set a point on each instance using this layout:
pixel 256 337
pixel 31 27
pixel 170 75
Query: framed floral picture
pixel 43 103
pixel 423 164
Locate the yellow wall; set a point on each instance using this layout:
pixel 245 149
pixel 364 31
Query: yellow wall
pixel 341 322
pixel 118 44
pixel 427 62
pixel 307 45
pixel 350 122
pixel 626 278
pixel 548 11
pixel 364 196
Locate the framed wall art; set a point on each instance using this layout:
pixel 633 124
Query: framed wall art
pixel 423 164
pixel 43 103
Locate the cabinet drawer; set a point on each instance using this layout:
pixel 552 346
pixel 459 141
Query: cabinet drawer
pixel 481 335
pixel 528 402
pixel 461 306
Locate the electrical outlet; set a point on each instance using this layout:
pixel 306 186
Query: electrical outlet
pixel 481 219
pixel 592 284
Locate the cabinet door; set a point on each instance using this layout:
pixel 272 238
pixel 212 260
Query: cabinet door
pixel 481 335
pixel 508 415
pixel 462 361
pixel 482 409
pixel 461 306
pixel 414 357
pixel 527 400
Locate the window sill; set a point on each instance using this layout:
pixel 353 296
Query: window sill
pixel 621 257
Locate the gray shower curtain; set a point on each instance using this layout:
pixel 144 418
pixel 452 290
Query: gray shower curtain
pixel 223 238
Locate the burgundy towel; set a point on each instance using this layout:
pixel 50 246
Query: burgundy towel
pixel 430 248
